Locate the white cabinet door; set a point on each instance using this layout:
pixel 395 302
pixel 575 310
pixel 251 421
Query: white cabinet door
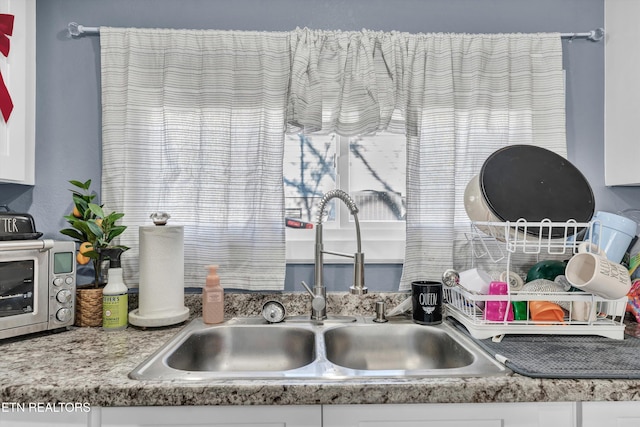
pixel 610 414
pixel 43 418
pixel 452 415
pixel 17 135
pixel 212 416
pixel 622 93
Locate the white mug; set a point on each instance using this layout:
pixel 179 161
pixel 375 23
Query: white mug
pixel 581 311
pixel 597 275
pixel 591 247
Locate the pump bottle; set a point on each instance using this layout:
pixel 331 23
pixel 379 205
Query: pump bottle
pixel 115 300
pixel 213 298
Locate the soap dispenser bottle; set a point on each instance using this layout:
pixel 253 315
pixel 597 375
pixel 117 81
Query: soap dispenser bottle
pixel 115 299
pixel 213 298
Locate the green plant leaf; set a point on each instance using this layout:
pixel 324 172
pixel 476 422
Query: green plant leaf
pixel 113 217
pixel 79 184
pixel 74 234
pixel 82 204
pixel 87 232
pixel 95 229
pixel 97 210
pixel 92 254
pixel 116 231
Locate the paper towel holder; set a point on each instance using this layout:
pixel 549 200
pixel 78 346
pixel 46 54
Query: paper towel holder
pixel 160 307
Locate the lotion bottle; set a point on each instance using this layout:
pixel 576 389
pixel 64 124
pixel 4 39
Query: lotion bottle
pixel 115 299
pixel 213 298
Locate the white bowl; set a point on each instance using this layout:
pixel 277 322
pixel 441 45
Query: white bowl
pixel 480 214
pixel 476 207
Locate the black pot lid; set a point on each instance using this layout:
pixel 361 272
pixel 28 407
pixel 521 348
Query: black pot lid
pixel 533 183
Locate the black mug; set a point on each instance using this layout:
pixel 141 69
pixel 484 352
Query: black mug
pixel 426 297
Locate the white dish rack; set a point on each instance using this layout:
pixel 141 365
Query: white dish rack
pixel 497 242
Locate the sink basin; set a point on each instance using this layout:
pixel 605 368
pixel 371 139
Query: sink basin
pixel 234 349
pixel 231 350
pixel 249 348
pixel 405 347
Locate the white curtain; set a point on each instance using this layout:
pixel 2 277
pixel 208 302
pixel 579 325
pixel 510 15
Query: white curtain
pixel 346 82
pixel 469 95
pixel 194 121
pixel 193 124
pixel 458 97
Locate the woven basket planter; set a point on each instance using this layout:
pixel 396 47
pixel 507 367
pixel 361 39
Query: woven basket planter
pixel 88 307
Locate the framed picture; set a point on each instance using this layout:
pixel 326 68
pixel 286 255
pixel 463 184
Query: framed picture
pixel 18 71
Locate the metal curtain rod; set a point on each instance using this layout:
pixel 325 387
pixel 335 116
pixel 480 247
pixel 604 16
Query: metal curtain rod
pixel 77 30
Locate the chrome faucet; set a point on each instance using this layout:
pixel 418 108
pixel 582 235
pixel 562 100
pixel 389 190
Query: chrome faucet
pixel 319 292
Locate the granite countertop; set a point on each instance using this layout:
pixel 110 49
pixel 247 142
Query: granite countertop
pixel 90 365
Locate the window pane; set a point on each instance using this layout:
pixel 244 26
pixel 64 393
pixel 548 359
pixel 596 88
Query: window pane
pixel 377 176
pixel 309 172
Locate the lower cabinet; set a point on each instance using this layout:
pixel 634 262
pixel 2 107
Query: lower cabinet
pixel 167 416
pixel 530 414
pixel 212 416
pixel 543 414
pixel 42 417
pixel 619 414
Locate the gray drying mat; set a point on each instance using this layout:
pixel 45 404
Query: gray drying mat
pixel 567 356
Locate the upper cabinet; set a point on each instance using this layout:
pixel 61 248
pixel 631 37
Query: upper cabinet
pixel 622 93
pixel 18 68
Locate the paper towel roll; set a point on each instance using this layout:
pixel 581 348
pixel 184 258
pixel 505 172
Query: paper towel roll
pixel 161 287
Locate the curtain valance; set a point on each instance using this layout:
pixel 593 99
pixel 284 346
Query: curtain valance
pixel 345 82
pixel 365 81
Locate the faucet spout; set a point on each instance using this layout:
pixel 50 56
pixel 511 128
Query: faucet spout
pixel 358 286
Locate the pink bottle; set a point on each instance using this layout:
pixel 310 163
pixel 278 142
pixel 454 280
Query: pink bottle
pixel 213 298
pixel 495 310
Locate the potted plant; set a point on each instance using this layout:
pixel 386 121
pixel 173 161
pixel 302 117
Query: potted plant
pixel 94 231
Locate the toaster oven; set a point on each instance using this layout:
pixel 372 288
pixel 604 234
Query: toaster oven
pixel 37 286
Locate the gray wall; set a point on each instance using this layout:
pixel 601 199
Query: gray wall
pixel 68 79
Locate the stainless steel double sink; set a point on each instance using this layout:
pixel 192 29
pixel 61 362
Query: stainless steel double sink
pixel 250 348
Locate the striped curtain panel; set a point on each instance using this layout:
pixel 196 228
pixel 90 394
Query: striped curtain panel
pixel 193 124
pixel 458 98
pixel 467 96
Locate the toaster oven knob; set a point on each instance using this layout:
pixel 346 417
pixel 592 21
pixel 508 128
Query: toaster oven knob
pixel 64 296
pixel 63 315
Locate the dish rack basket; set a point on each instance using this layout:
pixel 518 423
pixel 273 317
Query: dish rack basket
pixel 498 241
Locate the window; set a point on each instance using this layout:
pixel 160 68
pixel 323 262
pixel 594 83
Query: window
pixel 371 168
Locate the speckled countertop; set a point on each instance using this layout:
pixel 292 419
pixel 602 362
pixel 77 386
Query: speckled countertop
pixel 90 365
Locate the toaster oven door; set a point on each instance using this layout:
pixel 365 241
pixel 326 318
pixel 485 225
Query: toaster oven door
pixel 23 292
pixel 17 287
